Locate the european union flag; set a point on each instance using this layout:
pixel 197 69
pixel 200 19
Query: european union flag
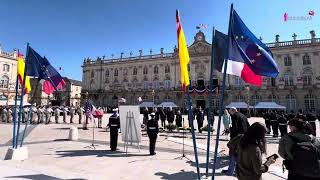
pixel 245 47
pixel 40 67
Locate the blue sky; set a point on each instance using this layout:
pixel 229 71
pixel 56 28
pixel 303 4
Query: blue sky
pixel 67 31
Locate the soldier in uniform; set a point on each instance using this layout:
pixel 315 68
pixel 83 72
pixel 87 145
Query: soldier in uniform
pixel 200 118
pixel 72 109
pixel 114 125
pixel 80 113
pixel 152 131
pixel 170 116
pixel 9 115
pixel 163 118
pixel 4 114
pixel 48 112
pixel 266 117
pixel 39 114
pixel 178 119
pixel 283 126
pixel 64 113
pixel 274 123
pixel 56 115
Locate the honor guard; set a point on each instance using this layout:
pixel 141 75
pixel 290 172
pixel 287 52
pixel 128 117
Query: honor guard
pixel 152 131
pixel 114 125
pixel 72 109
pixel 56 115
pixel 48 112
pixel 64 113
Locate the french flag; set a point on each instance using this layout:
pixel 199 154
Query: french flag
pixel 248 57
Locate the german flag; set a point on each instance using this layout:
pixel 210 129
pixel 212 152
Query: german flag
pixel 183 54
pixel 20 71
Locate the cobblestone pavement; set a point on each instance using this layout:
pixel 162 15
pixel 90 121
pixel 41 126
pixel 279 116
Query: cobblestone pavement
pixel 52 156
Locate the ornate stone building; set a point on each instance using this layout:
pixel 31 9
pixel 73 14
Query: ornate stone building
pixel 8 76
pixel 296 87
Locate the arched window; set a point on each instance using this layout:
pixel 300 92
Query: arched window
pixel 288 79
pixel 309 103
pixel 291 102
pixel 167 69
pixel 155 70
pixel 116 72
pixel 92 74
pixel 107 73
pixel 145 70
pixel 4 82
pixel 306 60
pixel 272 98
pixel 125 72
pixel 307 77
pixel 135 71
pixel 156 84
pixel 287 61
pixel 6 67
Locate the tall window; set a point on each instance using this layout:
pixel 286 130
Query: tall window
pixel 238 81
pixel 167 84
pixel 116 72
pixel 145 70
pixel 309 102
pixel 256 98
pixel 155 70
pixel 92 74
pixel 4 82
pixel 291 102
pixel 288 79
pixel 306 59
pixel 107 73
pixel 6 67
pixel 156 84
pixel 145 84
pixel 287 61
pixel 135 71
pixel 272 98
pixel 167 69
pixel 125 72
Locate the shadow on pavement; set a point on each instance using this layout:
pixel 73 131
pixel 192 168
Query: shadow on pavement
pixel 40 177
pixel 185 175
pixel 97 153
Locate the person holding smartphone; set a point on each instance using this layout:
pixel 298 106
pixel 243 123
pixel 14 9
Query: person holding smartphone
pixel 249 148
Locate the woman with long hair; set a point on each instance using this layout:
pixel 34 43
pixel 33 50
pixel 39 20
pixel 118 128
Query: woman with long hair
pixel 249 148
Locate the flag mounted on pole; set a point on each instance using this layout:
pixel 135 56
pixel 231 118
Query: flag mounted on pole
pixel 183 54
pixel 20 72
pixel 41 68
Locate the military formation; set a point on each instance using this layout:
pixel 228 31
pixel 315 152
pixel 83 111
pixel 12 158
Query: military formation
pixel 43 114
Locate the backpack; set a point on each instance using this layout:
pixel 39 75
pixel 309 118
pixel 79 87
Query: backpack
pixel 306 158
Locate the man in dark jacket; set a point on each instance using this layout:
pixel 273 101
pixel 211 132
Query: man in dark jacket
pixel 240 123
pixel 266 117
pixel 163 118
pixel 283 126
pixel 274 123
pixel 114 124
pixel 170 116
pixel 152 131
pixel 200 119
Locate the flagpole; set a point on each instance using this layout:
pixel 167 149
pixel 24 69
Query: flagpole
pixel 30 110
pixel 222 96
pixel 210 101
pixel 190 117
pixel 15 113
pixel 21 99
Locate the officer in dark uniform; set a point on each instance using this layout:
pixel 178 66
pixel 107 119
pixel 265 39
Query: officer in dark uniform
pixel 178 119
pixel 200 118
pixel 114 125
pixel 291 115
pixel 266 117
pixel 274 123
pixel 311 118
pixel 152 131
pixel 283 126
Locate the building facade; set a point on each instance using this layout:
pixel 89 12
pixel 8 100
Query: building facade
pixel 8 76
pixel 69 95
pixel 157 77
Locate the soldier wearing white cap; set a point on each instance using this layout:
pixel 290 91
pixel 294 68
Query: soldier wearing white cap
pixel 152 131
pixel 114 125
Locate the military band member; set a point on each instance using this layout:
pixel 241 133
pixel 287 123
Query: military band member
pixel 152 131
pixel 114 124
pixel 72 109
